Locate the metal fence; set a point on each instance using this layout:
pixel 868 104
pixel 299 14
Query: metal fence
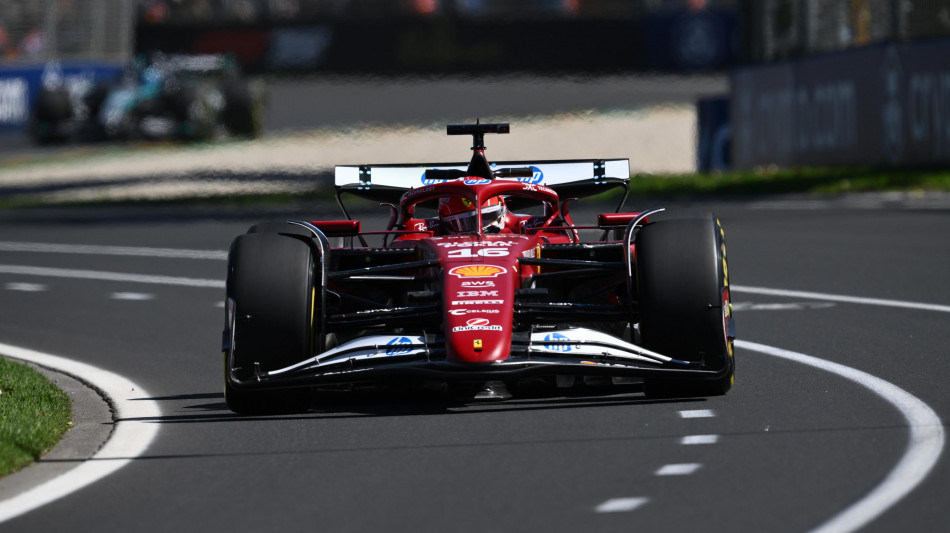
pixel 783 29
pixel 35 31
pixel 205 13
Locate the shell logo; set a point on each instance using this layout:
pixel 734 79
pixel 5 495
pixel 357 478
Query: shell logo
pixel 477 271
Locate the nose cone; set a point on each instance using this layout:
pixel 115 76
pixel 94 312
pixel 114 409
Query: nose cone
pixel 479 340
pixel 480 275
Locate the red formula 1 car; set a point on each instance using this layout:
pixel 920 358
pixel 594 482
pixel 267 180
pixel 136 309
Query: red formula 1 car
pixel 481 284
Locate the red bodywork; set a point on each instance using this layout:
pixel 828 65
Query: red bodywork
pixel 480 272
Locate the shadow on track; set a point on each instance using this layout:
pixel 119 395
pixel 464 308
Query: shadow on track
pixel 400 404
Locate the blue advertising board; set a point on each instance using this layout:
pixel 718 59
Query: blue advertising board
pixel 881 105
pixel 714 135
pixel 19 85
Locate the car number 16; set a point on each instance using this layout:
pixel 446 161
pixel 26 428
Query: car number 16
pixel 480 252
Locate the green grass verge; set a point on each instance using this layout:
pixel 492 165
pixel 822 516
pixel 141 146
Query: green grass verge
pixel 819 181
pixel 34 414
pixel 788 181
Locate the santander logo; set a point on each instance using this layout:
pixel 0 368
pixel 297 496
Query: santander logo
pixel 477 324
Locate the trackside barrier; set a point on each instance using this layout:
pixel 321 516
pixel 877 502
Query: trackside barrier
pixel 19 85
pixel 875 106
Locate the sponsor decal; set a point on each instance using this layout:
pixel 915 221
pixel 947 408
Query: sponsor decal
pixel 477 324
pixel 476 181
pixel 14 104
pixel 485 283
pixel 429 182
pixel 476 294
pixel 471 244
pixel 477 302
pixel 477 344
pixel 555 337
pixel 463 311
pixel 398 346
pixel 416 192
pixel 479 252
pixel 477 271
pixel 537 176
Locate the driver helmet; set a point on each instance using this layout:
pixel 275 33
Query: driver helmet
pixel 458 215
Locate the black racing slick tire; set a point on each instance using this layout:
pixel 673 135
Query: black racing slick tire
pixel 52 110
pixel 243 113
pixel 684 305
pixel 271 287
pixel 279 226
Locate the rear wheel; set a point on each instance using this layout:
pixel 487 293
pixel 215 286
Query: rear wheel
pixel 243 113
pixel 51 111
pixel 272 283
pixel 683 292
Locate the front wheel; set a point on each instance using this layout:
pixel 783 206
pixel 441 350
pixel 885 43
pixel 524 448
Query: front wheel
pixel 51 114
pixel 683 292
pixel 271 288
pixel 243 113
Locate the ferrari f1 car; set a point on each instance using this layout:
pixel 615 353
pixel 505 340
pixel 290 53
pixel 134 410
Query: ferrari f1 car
pixel 481 284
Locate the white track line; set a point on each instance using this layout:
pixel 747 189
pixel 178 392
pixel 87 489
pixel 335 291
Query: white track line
pixel 133 432
pixel 132 296
pixel 92 249
pixel 842 298
pixel 110 276
pixel 924 446
pixel 679 469
pixel 697 413
pixel 619 505
pixel 26 287
pixel 691 440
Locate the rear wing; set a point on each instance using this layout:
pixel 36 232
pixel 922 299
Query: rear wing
pixel 569 178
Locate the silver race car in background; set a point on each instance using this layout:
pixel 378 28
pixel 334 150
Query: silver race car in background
pixel 178 97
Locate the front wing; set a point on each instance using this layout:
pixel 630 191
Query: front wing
pixel 573 351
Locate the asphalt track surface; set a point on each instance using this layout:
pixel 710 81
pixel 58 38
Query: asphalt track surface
pixel 790 448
